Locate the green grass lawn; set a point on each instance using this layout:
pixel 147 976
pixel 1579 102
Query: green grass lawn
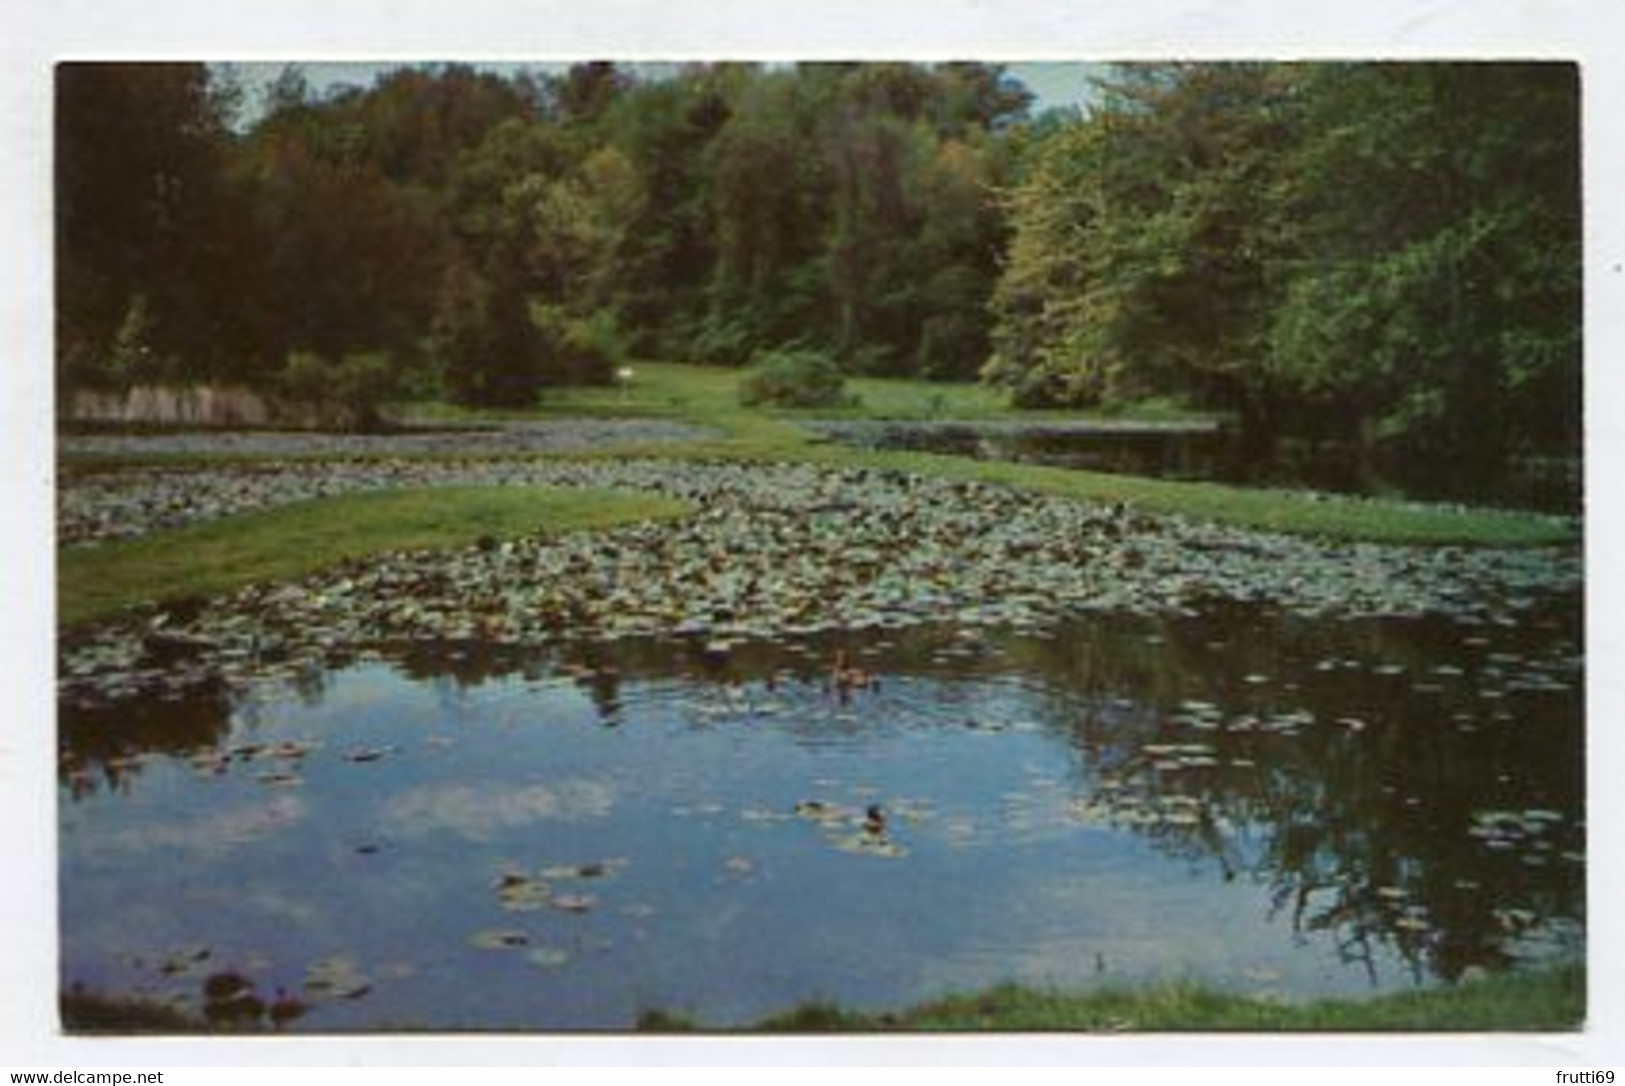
pixel 711 394
pixel 1551 1000
pixel 295 540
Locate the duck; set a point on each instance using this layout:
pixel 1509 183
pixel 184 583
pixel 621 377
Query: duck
pixel 848 677
pixel 874 820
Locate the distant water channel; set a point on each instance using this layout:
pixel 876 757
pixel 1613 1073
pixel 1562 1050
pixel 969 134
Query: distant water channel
pixel 1208 451
pixel 446 838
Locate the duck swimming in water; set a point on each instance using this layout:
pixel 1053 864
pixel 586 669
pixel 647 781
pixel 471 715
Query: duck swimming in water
pixel 874 820
pixel 847 677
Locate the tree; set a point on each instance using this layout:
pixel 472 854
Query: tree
pixel 769 199
pixel 350 258
pixel 1143 239
pixel 142 212
pixel 490 349
pixel 668 252
pixel 1436 309
pixel 1386 255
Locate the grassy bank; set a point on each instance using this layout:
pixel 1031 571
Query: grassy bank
pixel 1553 999
pixel 293 541
pixel 708 396
pixel 1549 1000
pixel 1293 512
pixel 673 390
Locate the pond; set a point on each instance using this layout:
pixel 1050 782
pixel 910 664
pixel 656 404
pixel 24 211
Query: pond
pixel 1210 452
pixel 447 836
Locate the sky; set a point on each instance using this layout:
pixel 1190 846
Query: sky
pixel 1053 83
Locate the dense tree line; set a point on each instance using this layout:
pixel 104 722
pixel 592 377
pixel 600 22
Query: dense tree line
pixel 1386 253
pixel 452 231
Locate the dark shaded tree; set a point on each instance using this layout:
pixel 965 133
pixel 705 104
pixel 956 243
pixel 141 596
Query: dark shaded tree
pixel 144 219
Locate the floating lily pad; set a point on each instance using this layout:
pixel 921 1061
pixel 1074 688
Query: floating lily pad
pixel 524 895
pixel 499 939
pixel 562 872
pixel 815 810
pixel 337 976
pixel 870 844
pixel 547 957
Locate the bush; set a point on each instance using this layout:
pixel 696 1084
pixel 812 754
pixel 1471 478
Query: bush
pixel 722 343
pixel 580 350
pixel 345 394
pixel 794 378
pixel 483 337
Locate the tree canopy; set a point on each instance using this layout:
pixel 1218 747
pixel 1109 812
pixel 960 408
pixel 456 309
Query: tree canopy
pixel 1388 253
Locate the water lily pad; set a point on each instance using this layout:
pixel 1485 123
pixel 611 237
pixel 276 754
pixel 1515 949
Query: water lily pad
pixel 870 844
pixel 562 872
pixel 499 939
pixel 815 810
pixel 338 976
pixel 547 957
pixel 520 893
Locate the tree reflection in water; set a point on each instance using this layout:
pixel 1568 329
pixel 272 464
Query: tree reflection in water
pixel 104 746
pixel 1409 784
pixel 1344 764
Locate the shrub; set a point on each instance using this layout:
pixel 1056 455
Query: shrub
pixel 580 350
pixel 722 343
pixel 794 378
pixel 345 394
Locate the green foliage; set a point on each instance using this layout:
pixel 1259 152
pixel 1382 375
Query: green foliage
pixel 793 377
pixel 134 360
pixel 723 342
pixel 1553 998
pixel 346 393
pixel 1386 254
pixel 1443 317
pixel 146 220
pixel 490 349
pixel 579 350
pixel 706 214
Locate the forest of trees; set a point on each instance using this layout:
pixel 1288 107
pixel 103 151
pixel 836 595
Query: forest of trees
pixel 1384 253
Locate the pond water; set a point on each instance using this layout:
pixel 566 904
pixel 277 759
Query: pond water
pixel 1213 453
pixel 445 837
